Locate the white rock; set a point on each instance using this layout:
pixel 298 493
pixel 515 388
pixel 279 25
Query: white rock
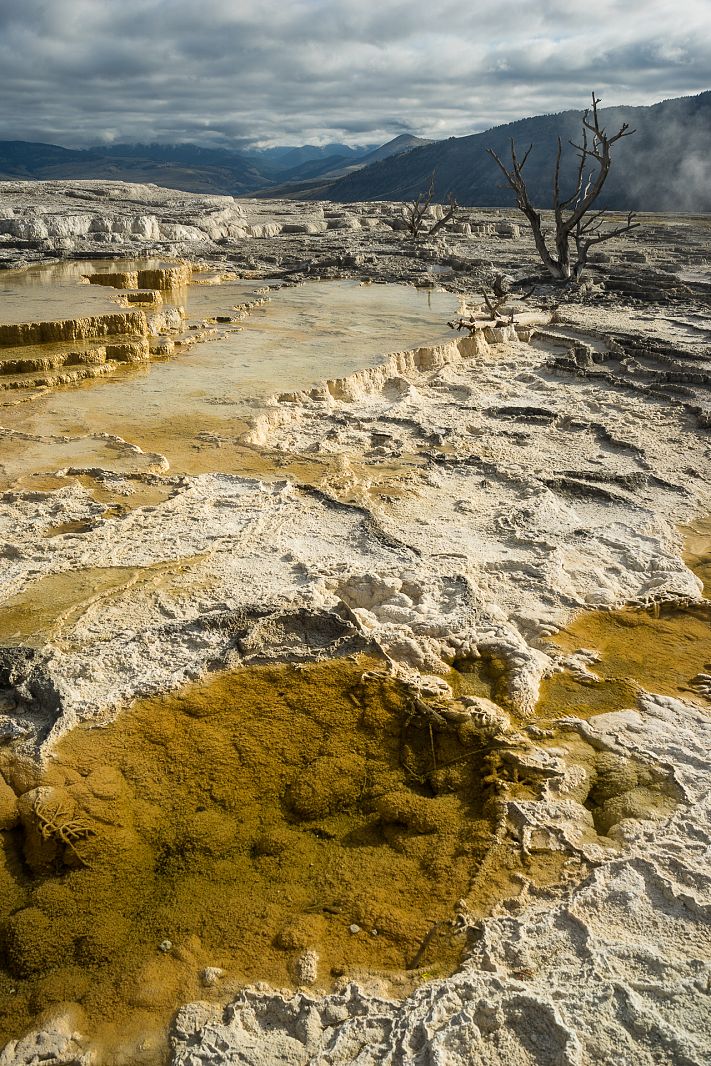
pixel 211 976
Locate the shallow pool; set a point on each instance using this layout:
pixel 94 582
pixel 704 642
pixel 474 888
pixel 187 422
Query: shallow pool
pixel 195 405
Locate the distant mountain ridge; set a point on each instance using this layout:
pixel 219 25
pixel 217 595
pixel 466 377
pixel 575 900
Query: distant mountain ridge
pixel 191 167
pixel 665 166
pixel 312 180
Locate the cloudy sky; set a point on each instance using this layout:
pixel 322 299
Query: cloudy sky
pixel 228 72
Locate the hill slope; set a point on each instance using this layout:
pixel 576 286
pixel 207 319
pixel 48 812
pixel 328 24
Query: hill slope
pixel 312 180
pixel 404 143
pixel 663 167
pixel 186 167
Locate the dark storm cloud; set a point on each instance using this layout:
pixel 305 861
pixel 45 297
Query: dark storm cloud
pixel 80 72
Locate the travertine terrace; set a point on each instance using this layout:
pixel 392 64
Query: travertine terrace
pixel 450 509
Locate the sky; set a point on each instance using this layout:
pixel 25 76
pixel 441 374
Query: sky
pixel 232 73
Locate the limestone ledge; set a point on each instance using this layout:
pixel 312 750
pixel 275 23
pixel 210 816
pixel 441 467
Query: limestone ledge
pixel 18 334
pixel 395 367
pixel 64 351
pixel 155 279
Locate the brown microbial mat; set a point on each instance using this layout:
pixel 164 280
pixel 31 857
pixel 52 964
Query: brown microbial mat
pixel 243 823
pixel 661 652
pixel 664 650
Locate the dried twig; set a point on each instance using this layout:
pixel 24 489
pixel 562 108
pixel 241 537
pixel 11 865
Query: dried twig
pixel 61 823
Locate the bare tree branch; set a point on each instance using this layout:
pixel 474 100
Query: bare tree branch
pixel 599 237
pixel 574 222
pixel 417 211
pixel 446 217
pixel 524 204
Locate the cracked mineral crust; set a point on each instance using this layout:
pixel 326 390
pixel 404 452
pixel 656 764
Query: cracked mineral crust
pixel 457 503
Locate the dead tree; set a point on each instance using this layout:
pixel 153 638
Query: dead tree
pixel 576 224
pixel 416 212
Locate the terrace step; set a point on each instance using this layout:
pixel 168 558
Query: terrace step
pixel 91 327
pixel 52 378
pixel 33 358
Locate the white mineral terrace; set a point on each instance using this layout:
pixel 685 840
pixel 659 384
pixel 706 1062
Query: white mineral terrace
pixel 330 463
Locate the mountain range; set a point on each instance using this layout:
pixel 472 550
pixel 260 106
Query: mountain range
pixel 663 166
pixel 194 168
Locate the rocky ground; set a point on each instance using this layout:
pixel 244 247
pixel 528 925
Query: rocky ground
pixel 459 504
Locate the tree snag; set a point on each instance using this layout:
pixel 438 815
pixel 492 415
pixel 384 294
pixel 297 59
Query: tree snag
pixel 575 223
pixel 416 211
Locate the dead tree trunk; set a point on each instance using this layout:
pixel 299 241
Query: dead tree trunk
pixel 416 212
pixel 576 225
